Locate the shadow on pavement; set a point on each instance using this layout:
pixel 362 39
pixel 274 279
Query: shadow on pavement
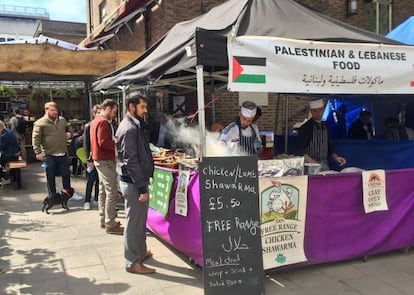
pixel 36 270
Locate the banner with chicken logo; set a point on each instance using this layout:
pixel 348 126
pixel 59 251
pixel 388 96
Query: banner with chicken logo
pixel 283 215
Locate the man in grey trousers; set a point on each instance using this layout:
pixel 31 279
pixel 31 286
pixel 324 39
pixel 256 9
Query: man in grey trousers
pixel 135 167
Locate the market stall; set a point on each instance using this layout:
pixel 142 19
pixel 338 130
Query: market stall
pixel 334 204
pixel 337 227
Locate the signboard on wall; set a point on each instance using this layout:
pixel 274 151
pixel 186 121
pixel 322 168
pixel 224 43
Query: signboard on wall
pixel 271 64
pixel 231 226
pixel 178 105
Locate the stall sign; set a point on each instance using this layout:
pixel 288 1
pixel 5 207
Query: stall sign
pixel 283 215
pixel 230 223
pixel 281 65
pixel 375 196
pixel 181 202
pixel 160 190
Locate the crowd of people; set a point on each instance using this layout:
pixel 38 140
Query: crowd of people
pixel 117 161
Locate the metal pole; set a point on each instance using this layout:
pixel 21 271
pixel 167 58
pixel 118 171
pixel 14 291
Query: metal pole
pixel 88 88
pixel 213 104
pixel 286 123
pixel 123 89
pixel 201 111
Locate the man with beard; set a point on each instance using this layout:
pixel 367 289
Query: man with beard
pixel 242 135
pixel 49 139
pixel 103 154
pixel 314 141
pixel 135 167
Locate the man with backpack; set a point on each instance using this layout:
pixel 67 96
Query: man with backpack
pixel 18 126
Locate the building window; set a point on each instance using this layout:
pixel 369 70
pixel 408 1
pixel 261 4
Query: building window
pixel 379 16
pixel 102 11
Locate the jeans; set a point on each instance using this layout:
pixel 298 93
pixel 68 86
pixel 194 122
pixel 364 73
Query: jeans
pixel 4 160
pixel 92 179
pixel 57 164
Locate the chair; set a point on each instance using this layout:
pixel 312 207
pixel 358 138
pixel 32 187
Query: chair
pixel 80 153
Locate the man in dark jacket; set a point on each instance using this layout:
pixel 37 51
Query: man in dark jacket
pixel 135 167
pixel 9 150
pixel 362 127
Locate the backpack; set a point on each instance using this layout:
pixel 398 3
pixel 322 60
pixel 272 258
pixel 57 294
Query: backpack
pixel 21 125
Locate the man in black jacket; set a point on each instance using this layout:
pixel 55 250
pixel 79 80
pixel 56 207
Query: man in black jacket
pixel 362 127
pixel 135 167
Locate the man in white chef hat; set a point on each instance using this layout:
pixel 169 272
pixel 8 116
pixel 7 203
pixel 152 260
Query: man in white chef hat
pixel 243 133
pixel 314 141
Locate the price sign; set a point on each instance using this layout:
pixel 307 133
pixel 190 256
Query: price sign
pixel 160 190
pixel 230 219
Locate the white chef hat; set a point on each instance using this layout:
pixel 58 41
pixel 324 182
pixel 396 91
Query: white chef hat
pixel 248 109
pixel 316 104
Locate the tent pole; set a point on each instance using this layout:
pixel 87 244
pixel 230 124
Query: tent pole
pixel 88 89
pixel 201 111
pixel 123 89
pixel 212 93
pixel 286 123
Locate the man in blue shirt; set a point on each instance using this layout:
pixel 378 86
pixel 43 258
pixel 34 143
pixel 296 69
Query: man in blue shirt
pixel 9 150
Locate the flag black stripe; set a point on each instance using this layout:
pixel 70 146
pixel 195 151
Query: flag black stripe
pixel 251 61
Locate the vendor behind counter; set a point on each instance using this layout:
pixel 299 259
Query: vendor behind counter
pixel 314 140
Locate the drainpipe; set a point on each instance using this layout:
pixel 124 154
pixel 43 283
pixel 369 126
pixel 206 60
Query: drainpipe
pixel 89 20
pixel 147 23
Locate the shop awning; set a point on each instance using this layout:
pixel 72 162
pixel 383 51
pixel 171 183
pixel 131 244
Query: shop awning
pixel 120 17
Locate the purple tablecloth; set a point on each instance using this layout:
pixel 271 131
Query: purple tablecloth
pixel 336 226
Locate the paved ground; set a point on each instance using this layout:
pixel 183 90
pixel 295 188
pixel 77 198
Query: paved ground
pixel 67 253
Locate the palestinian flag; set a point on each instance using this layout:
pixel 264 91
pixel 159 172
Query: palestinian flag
pixel 248 69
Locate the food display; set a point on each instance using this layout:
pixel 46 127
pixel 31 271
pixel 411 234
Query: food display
pixel 174 159
pixel 281 167
pixel 165 158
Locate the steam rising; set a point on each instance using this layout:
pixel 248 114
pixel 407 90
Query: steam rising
pixel 184 135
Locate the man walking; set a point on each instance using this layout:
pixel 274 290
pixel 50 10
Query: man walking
pixel 103 154
pixel 18 126
pixel 135 167
pixel 49 144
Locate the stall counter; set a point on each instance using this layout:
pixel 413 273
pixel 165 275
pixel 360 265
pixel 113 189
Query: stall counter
pixel 337 227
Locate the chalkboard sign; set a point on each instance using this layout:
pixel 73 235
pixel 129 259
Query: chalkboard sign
pixel 232 250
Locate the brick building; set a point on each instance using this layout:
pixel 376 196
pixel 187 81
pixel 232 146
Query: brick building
pixel 154 18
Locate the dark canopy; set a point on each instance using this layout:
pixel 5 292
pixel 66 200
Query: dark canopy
pixel 202 40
